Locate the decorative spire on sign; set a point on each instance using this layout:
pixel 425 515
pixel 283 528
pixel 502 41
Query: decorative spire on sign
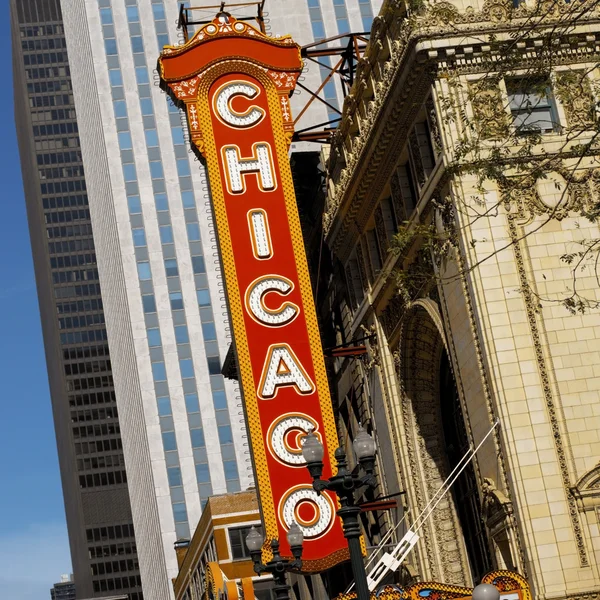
pixel 182 68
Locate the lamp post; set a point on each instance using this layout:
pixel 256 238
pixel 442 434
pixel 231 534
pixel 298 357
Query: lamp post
pixel 344 484
pixel 277 566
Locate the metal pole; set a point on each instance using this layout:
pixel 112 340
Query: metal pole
pixel 278 567
pixel 344 484
pixel 349 515
pixel 281 588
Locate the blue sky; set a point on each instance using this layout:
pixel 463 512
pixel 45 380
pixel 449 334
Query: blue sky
pixel 33 540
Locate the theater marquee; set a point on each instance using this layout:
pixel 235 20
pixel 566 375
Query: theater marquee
pixel 235 84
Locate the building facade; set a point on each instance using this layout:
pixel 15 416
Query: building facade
pixel 182 425
pixel 64 590
pixel 219 538
pixel 94 478
pixel 461 209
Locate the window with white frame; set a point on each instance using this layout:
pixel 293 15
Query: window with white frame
pixel 532 105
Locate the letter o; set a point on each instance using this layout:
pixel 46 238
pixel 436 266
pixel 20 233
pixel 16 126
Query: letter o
pixel 313 512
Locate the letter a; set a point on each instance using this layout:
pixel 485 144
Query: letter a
pixel 282 368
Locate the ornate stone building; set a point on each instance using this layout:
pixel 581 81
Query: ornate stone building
pixel 462 191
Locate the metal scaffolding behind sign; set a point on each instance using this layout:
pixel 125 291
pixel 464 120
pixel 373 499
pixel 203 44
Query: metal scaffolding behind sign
pixel 338 55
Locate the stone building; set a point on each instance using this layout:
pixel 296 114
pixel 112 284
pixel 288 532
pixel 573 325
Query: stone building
pixel 462 186
pixel 219 538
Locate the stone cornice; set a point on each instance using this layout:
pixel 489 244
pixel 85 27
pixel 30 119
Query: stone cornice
pixel 405 54
pixel 586 595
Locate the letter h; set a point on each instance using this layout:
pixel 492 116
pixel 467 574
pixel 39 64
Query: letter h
pixel 236 167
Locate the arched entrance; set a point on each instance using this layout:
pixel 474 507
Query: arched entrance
pixel 454 545
pixel 464 491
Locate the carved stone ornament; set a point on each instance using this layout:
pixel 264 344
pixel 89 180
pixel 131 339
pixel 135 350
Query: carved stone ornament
pixel 434 127
pixel 591 595
pixel 497 508
pixel 441 13
pixel 490 119
pixel 498 10
pixel 574 91
pixel 587 490
pixel 548 7
pixel 558 194
pixel 349 103
pixel 373 358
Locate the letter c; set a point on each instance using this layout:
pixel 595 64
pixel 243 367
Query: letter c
pixel 227 114
pixel 255 295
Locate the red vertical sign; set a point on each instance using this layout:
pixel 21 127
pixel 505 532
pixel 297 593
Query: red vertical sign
pixel 235 83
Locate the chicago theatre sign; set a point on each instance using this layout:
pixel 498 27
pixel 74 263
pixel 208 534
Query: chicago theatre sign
pixel 235 83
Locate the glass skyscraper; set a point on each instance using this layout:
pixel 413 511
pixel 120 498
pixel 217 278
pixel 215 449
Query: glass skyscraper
pixel 92 465
pixel 181 421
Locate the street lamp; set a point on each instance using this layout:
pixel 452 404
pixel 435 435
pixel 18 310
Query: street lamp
pixel 344 484
pixel 277 566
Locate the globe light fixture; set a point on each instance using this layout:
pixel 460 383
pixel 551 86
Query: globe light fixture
pixel 365 449
pixel 295 536
pixel 313 452
pixel 254 540
pixel 485 591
